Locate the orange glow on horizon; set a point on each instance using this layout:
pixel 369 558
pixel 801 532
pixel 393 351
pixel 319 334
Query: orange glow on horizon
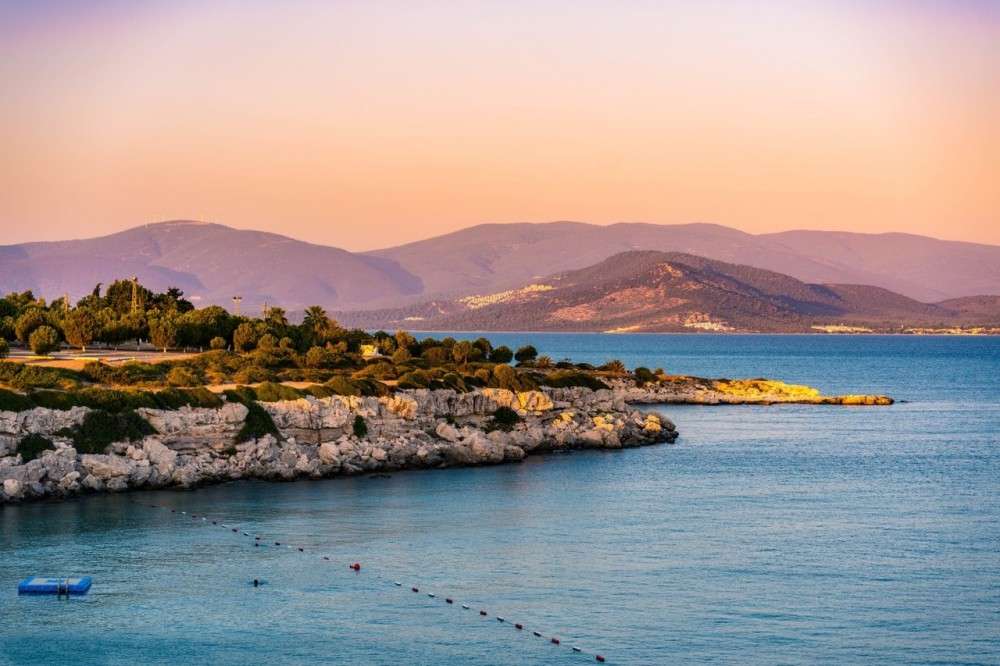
pixel 364 125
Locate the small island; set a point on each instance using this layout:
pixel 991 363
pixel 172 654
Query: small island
pixel 215 396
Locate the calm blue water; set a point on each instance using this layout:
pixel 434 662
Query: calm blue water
pixel 766 535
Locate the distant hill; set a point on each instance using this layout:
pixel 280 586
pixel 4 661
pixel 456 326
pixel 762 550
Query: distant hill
pixel 670 291
pixel 211 263
pixel 493 257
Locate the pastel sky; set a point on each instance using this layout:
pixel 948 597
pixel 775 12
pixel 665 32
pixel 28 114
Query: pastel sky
pixel 370 123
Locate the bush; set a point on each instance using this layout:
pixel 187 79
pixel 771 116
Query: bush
pixel 175 398
pixel 615 367
pixel 569 379
pixel 32 446
pixel 360 427
pixel 644 376
pixel 217 343
pixel 251 375
pixel 24 376
pixel 100 428
pixel 504 418
pixel 414 380
pixel 181 376
pixel 14 402
pixel 44 340
pixel 271 392
pixel 4 348
pixel 258 424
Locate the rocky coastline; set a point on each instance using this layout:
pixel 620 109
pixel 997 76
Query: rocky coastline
pixel 316 438
pixel 410 429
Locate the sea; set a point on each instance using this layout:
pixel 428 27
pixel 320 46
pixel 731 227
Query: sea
pixel 765 535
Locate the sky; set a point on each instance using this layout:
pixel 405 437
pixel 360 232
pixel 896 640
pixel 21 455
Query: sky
pixel 372 123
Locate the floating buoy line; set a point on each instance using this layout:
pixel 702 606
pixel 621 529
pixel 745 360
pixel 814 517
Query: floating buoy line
pixel 259 542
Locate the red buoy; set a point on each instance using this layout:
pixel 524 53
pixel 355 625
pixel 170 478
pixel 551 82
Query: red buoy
pixel 556 641
pixel 600 658
pixel 357 567
pixel 414 589
pixel 519 626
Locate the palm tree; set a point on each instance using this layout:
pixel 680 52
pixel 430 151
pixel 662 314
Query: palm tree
pixel 317 323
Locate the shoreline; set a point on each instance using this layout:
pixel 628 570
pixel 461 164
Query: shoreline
pixel 352 435
pixel 320 438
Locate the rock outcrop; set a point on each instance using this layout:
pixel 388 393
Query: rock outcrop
pixel 409 430
pixel 698 391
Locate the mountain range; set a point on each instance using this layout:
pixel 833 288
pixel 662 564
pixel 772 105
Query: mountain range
pixel 212 262
pixel 670 291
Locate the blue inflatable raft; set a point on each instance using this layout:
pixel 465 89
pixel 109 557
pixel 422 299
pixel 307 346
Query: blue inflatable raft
pixel 47 585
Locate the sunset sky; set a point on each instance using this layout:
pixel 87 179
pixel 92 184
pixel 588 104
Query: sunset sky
pixel 371 123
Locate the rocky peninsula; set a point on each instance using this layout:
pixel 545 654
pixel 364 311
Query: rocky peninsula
pixel 320 437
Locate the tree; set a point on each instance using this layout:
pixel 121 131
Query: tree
pixel 501 354
pixel 26 324
pixel 317 325
pixel 81 327
pixel 244 337
pixel 526 354
pixel 461 351
pixel 401 356
pixel 4 348
pixel 218 342
pixel 405 340
pixel 483 345
pixel 267 342
pixel 277 322
pixel 163 332
pixel 44 340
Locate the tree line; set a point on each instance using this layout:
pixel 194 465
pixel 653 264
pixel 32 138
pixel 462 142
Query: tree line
pixel 127 312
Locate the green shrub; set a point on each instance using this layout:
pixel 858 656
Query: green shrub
pixel 414 380
pixel 258 423
pixel 454 381
pixel 23 376
pixel 32 446
pixel 251 375
pixel 644 376
pixel 174 398
pixel 504 418
pixel 217 342
pixel 14 402
pixel 271 392
pixel 100 428
pixel 181 376
pixel 360 427
pixel 568 379
pixel 319 391
pixel 4 348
